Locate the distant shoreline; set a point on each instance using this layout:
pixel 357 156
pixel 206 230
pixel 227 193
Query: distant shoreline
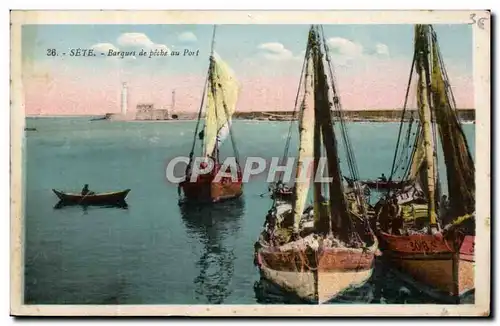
pixel 348 115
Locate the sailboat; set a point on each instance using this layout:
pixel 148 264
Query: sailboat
pixel 316 264
pixel 222 91
pixel 431 242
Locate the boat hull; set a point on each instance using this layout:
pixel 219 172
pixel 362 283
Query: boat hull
pixel 111 198
pixel 317 276
pixel 282 195
pixel 206 190
pixel 378 184
pixel 432 263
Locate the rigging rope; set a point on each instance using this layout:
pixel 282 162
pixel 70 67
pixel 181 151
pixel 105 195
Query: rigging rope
pixel 351 160
pixel 336 102
pixel 205 86
pixel 233 141
pixel 289 136
pixel 402 121
pixel 450 98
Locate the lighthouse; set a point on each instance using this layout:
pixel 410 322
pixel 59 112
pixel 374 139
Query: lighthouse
pixel 124 99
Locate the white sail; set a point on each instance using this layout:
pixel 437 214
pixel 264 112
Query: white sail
pixel 223 133
pixel 223 91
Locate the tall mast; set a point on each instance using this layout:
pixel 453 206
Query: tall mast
pixel 422 46
pixel 211 85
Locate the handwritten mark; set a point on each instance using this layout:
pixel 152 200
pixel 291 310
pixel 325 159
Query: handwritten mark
pixel 479 22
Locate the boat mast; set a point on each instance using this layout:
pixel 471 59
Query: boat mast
pixel 213 87
pixel 306 138
pixel 200 111
pixel 422 46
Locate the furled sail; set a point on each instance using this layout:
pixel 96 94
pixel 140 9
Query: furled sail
pixel 306 152
pixel 425 113
pixel 340 221
pixel 459 164
pixel 223 91
pixel 418 158
pixel 437 116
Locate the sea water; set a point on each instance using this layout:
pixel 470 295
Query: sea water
pixel 156 252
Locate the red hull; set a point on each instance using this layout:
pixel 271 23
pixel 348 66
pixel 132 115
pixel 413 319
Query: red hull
pixel 325 260
pixel 205 189
pixel 432 261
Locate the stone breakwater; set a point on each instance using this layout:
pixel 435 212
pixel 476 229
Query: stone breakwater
pixel 349 115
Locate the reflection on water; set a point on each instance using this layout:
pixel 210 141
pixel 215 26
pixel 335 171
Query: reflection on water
pixel 382 287
pixel 215 226
pixel 61 204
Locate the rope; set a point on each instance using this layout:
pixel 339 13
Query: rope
pixel 351 159
pixel 305 260
pixel 287 144
pixel 402 120
pixel 191 153
pixel 231 135
pixel 448 93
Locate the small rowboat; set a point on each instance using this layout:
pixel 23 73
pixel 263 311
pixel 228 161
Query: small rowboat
pixel 109 198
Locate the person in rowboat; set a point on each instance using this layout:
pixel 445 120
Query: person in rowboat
pixel 382 178
pixel 86 191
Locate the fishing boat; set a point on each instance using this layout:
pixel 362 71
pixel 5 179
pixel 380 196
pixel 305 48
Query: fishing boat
pixel 281 192
pixel 222 91
pixel 109 198
pixel 318 263
pixel 379 184
pixel 431 241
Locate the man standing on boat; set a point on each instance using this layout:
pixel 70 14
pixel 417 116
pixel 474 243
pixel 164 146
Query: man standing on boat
pixel 382 178
pixel 443 209
pixel 396 216
pixel 384 214
pixel 270 223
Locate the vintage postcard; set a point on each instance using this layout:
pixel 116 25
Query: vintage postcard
pixel 263 163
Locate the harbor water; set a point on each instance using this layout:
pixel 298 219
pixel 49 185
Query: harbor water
pixel 156 252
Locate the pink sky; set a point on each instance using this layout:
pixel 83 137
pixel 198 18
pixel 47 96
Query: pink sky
pixel 373 85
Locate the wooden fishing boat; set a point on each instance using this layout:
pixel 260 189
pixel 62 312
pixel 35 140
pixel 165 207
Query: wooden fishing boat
pixel 221 90
pixel 318 263
pixel 281 192
pixel 434 251
pixel 433 260
pixel 379 184
pixel 109 198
